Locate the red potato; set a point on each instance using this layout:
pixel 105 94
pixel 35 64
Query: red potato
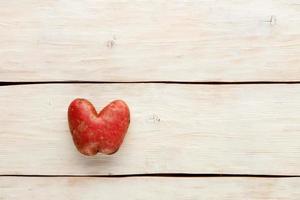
pixel 94 132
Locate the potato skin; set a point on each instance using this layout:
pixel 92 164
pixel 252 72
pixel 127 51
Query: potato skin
pixel 103 132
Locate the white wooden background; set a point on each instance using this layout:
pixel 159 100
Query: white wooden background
pixel 247 136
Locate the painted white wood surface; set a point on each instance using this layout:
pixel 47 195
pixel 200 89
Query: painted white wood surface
pixel 235 129
pixel 169 40
pixel 149 188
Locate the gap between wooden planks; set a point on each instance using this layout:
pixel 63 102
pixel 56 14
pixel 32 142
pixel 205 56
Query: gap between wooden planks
pixel 170 40
pixel 200 129
pixel 149 188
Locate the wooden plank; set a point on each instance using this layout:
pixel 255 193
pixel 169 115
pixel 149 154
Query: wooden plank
pixel 123 40
pixel 234 129
pixel 149 188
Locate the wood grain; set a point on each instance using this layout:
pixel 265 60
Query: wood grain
pixel 175 128
pixel 149 188
pixel 170 40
